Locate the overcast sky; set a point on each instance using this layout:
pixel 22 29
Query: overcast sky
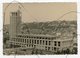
pixel 41 12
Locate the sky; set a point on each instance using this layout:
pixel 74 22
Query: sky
pixel 41 12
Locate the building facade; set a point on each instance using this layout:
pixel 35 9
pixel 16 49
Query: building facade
pixel 41 42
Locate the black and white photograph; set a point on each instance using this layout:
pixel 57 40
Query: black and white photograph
pixel 40 28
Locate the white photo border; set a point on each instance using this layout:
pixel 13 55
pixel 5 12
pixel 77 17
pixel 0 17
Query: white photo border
pixel 39 56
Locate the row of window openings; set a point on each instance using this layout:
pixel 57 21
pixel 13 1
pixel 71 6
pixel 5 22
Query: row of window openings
pixel 15 14
pixel 40 41
pixel 51 48
pixel 46 48
pixel 35 37
pixel 35 41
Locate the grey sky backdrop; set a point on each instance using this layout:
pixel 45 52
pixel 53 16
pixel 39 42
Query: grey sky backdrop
pixel 42 12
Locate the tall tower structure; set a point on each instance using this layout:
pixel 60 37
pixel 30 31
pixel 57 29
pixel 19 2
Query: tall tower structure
pixel 15 21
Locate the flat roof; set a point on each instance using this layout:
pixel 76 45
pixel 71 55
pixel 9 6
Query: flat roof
pixel 37 35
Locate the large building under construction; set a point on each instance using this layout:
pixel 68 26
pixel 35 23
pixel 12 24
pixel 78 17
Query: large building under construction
pixel 38 41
